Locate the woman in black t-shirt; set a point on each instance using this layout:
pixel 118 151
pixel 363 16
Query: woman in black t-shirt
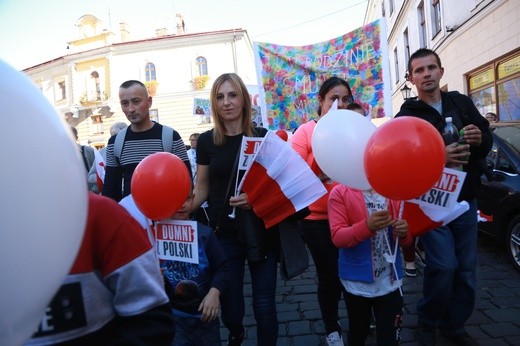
pixel 217 152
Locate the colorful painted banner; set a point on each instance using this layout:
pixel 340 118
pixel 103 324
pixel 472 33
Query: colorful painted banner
pixel 290 77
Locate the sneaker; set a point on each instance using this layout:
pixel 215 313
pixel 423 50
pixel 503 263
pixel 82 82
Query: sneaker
pixel 410 272
pixel 335 339
pixel 372 320
pixel 425 335
pixel 462 339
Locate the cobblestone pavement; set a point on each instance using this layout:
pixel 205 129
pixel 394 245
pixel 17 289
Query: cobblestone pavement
pixel 495 320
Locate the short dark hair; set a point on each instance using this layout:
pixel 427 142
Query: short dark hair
pixel 331 83
pixel 132 82
pixel 492 114
pixel 116 127
pixel 421 53
pixel 74 131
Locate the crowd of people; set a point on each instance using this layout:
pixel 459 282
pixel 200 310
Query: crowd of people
pixel 122 293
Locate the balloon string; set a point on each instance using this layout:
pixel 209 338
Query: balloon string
pixel 399 214
pixel 394 256
pixel 152 235
pixel 232 215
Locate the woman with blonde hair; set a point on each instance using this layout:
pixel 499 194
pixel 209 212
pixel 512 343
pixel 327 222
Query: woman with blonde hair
pixel 217 158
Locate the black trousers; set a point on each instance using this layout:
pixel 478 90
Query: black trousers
pixel 388 311
pixel 316 234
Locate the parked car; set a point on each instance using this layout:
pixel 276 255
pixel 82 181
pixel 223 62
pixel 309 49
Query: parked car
pixel 499 196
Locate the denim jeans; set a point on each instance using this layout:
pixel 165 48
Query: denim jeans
pixel 449 277
pixel 316 234
pixel 191 331
pixel 263 282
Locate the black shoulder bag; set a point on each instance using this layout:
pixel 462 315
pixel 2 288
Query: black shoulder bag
pixel 251 233
pixel 219 220
pixel 251 229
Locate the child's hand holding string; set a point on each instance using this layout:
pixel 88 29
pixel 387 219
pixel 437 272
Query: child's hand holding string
pixel 379 219
pixel 400 228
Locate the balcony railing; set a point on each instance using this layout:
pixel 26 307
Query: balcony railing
pixel 93 98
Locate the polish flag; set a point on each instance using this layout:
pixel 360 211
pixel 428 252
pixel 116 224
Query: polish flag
pixel 129 204
pixel 279 182
pixel 100 169
pixel 481 217
pixel 423 218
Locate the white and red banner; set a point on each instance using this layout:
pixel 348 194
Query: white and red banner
pixel 279 182
pixel 129 204
pixel 445 192
pixel 422 219
pixel 438 206
pixel 177 240
pixel 100 169
pixel 249 148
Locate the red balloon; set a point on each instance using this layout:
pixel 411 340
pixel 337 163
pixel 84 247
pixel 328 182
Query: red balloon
pixel 404 158
pixel 160 185
pixel 282 134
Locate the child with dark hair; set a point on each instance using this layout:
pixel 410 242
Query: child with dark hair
pixel 194 289
pixel 366 227
pixel 356 107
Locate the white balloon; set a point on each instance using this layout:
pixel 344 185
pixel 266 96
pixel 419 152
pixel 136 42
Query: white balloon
pixel 338 143
pixel 44 205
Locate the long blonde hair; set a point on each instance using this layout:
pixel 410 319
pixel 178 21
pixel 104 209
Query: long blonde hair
pixel 241 89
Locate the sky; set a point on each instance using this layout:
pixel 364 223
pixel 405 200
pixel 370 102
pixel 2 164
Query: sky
pixel 34 31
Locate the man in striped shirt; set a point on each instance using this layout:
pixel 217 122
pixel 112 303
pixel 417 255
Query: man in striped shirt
pixel 142 138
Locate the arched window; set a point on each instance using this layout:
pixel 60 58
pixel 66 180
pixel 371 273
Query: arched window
pixel 150 72
pixel 97 91
pixel 202 66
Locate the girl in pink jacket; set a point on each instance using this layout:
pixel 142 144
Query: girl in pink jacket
pixel 365 226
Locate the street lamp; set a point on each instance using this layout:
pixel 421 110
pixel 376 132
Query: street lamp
pixel 405 91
